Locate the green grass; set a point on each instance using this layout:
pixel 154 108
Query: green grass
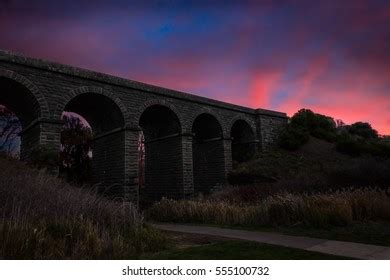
pixel 375 233
pixel 239 250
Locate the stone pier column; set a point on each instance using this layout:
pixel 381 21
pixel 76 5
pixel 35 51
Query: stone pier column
pixel 115 163
pixel 188 169
pixel 41 132
pixel 131 164
pixel 212 163
pixel 227 151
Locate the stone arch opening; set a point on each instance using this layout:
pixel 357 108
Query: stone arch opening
pixel 19 100
pixel 208 153
pixel 100 111
pixel 107 123
pixel 243 141
pixel 162 146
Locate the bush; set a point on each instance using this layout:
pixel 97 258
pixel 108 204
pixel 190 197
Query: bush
pixel 360 173
pixel 267 167
pixel 349 145
pixel 355 146
pixel 379 148
pixel 363 130
pixel 293 138
pixel 320 126
pixel 304 124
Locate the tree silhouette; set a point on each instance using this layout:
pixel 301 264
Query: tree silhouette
pixel 76 152
pixel 10 128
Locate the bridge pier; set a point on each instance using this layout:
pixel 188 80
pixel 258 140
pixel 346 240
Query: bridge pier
pixel 114 163
pixel 40 132
pixel 188 174
pixel 168 167
pixel 212 162
pixel 228 161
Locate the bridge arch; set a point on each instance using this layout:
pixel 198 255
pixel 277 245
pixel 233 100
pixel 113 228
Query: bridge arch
pixel 25 100
pixel 243 140
pixel 107 117
pixel 162 146
pixel 77 99
pixel 189 122
pixel 207 152
pixel 158 102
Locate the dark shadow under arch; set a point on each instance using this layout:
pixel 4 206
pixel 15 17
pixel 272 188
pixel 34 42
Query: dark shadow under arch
pixel 108 145
pixel 24 104
pixel 208 153
pixel 19 100
pixel 243 141
pixel 161 130
pixel 100 111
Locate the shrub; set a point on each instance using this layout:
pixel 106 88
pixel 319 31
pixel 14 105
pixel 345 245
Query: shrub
pixel 360 173
pixel 293 138
pixel 317 125
pixel 306 123
pixel 379 148
pixel 355 146
pixel 363 130
pixel 349 145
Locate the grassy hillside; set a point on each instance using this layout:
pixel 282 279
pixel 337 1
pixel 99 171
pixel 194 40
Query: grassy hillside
pixel 316 166
pixel 42 217
pixel 314 190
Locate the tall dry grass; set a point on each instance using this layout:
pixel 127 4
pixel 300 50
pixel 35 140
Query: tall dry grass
pixel 316 210
pixel 42 217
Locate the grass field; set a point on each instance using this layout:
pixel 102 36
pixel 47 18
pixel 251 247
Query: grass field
pixel 240 250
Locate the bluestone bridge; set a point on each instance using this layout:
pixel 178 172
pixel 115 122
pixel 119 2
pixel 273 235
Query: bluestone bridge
pixel 190 141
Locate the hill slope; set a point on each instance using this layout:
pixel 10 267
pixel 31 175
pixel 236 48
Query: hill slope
pixel 42 217
pixel 316 165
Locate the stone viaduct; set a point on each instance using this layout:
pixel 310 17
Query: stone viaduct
pixel 190 141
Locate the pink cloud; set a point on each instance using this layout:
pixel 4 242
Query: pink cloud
pixel 263 85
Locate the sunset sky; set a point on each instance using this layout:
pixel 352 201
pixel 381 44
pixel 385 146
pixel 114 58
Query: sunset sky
pixel 330 56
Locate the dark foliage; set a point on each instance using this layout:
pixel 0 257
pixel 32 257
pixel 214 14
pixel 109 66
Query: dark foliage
pixel 293 137
pixel 355 140
pixel 75 153
pixel 44 157
pixel 306 123
pixel 320 126
pixel 349 145
pixel 10 128
pixel 363 130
